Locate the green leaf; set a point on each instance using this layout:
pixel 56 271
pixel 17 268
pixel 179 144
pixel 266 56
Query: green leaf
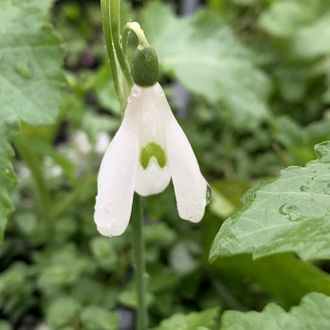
pixel 312 313
pixel 7 177
pixel 283 18
pixel 62 311
pixel 203 53
pixel 289 213
pixel 316 36
pixel 44 5
pixel 192 321
pixel 30 64
pixel 95 317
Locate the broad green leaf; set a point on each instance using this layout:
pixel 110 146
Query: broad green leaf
pixel 204 54
pixel 289 213
pixel 312 313
pixel 62 311
pixel 275 274
pixel 289 19
pixel 283 18
pixel 30 64
pixel 7 177
pixel 316 36
pixel 193 321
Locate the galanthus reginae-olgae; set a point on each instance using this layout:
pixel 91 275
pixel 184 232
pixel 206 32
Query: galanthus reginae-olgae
pixel 148 150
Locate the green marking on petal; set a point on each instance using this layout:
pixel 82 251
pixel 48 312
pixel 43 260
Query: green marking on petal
pixel 152 149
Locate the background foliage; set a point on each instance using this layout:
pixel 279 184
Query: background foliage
pixel 249 81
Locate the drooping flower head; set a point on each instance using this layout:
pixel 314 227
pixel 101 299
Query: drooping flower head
pixel 149 149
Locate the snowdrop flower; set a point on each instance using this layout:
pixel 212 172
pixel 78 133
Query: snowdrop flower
pixel 149 150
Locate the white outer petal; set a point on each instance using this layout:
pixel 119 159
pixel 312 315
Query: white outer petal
pixel 153 179
pixel 116 177
pixel 189 184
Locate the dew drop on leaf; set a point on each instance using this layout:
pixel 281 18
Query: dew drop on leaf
pixel 291 211
pixel 305 187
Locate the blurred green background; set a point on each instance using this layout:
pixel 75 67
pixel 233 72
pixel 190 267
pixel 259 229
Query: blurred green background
pixel 249 81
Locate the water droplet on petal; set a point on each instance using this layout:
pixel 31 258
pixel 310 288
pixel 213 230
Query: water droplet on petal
pixel 322 151
pixel 208 194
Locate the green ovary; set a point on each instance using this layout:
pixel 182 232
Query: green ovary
pixel 152 149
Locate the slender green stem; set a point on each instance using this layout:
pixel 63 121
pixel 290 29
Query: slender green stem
pixel 115 28
pixel 140 268
pixel 105 9
pixel 39 181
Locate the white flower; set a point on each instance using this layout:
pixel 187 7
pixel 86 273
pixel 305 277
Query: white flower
pixel 148 150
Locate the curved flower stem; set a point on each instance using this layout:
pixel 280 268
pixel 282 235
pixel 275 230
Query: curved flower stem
pixel 136 28
pixel 115 28
pixel 140 268
pixel 105 9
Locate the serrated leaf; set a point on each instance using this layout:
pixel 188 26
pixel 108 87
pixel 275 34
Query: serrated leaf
pixel 30 64
pixel 203 53
pixel 289 213
pixel 312 313
pixel 192 321
pixel 7 177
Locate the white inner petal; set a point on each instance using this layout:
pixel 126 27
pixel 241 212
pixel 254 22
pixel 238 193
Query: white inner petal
pixel 153 179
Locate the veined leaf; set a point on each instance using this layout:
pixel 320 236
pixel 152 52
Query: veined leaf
pixel 312 313
pixel 193 321
pixel 290 213
pixel 30 64
pixel 203 53
pixel 7 177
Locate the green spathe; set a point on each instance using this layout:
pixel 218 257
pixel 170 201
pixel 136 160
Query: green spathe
pixel 145 66
pixel 152 149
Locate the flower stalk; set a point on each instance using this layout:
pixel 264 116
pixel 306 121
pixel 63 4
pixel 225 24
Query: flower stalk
pixel 120 71
pixel 105 10
pixel 140 267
